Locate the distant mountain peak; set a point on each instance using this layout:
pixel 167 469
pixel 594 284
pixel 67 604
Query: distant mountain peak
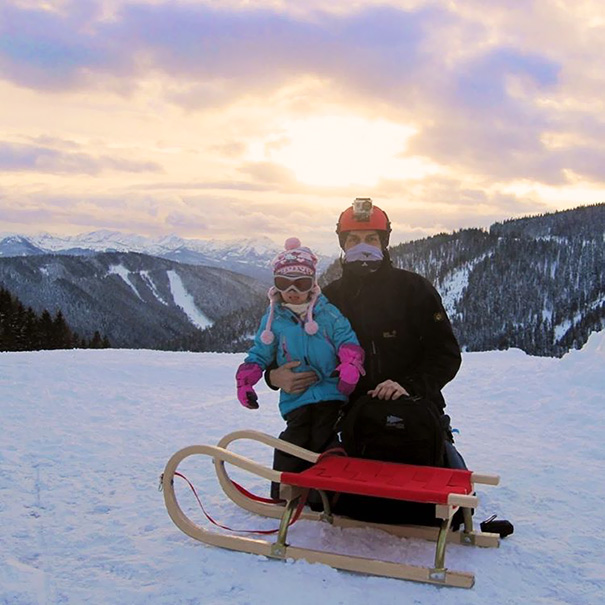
pixel 17 245
pixel 248 255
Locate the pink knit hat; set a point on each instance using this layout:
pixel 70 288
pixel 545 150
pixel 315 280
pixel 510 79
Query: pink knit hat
pixel 294 260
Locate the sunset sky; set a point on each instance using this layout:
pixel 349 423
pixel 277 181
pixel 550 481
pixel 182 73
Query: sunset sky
pixel 223 119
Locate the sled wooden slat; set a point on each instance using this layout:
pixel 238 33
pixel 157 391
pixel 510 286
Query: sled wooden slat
pixel 437 484
pixel 485 479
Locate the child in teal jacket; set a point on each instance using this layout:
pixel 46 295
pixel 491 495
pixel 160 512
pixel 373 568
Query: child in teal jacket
pixel 301 325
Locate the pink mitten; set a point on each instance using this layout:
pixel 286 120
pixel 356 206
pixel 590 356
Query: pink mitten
pixel 247 375
pixel 350 368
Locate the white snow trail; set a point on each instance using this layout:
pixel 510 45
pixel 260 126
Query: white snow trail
pixel 183 299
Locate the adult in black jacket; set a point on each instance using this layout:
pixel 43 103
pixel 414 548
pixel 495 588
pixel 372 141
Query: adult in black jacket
pixel 403 328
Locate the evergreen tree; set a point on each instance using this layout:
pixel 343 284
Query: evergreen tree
pixel 22 330
pixel 45 329
pixel 61 334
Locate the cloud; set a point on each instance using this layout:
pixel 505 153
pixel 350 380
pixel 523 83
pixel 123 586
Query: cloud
pixel 183 186
pixel 481 84
pixel 16 157
pixel 421 208
pixel 54 142
pixel 184 222
pixel 486 128
pixel 47 49
pixel 268 172
pixel 255 48
pixel 206 215
pixel 66 212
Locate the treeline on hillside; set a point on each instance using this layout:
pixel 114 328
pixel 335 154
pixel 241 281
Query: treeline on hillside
pixel 231 333
pixel 540 295
pixel 585 222
pixel 22 329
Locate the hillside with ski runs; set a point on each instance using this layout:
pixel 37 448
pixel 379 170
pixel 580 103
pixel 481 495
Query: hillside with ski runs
pixel 136 300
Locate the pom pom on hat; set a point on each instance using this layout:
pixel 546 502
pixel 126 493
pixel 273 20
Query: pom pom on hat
pixel 267 336
pixel 291 243
pixel 311 327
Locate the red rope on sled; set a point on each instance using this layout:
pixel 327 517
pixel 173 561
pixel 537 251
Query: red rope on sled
pixel 252 496
pixel 245 492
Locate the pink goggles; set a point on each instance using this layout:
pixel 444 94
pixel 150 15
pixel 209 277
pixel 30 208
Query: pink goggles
pixel 300 284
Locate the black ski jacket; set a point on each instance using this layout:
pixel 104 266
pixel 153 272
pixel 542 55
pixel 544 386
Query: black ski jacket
pixel 403 328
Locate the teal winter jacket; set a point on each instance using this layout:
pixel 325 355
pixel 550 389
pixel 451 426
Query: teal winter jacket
pixel 318 352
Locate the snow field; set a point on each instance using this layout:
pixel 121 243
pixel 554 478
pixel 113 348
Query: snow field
pixel 87 433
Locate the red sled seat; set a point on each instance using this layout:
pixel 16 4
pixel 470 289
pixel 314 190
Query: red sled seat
pixel 383 479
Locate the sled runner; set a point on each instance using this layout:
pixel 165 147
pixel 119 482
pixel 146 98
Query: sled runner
pixel 447 489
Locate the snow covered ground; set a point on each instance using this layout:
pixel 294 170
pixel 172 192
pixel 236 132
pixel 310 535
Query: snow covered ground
pixel 86 434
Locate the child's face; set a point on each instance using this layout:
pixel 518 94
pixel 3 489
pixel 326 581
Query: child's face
pixel 294 297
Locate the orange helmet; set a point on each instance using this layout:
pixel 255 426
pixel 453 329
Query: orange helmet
pixel 364 216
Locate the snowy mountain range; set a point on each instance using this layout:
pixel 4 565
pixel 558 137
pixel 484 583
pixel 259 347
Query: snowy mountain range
pixel 535 283
pixel 249 256
pixel 138 301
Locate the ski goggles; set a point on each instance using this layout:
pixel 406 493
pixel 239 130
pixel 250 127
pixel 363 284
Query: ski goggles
pixel 300 284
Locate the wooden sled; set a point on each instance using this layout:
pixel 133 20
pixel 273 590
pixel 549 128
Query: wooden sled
pixel 448 489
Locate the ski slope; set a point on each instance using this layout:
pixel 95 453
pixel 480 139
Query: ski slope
pixel 85 435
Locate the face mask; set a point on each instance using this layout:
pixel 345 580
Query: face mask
pixel 363 258
pixel 363 253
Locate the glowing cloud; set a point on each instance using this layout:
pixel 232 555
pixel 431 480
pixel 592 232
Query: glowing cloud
pixel 340 151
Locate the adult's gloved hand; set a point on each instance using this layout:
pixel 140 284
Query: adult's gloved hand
pixel 247 375
pixel 350 368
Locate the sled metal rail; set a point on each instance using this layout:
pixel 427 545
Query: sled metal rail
pixel 280 549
